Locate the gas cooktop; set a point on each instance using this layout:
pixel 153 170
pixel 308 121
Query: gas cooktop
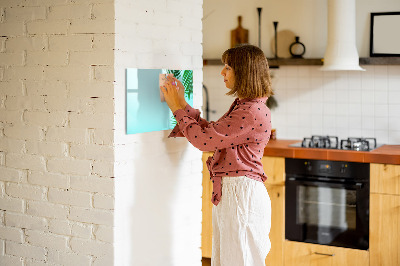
pixel 332 142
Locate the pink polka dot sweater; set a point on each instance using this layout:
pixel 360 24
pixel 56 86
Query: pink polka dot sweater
pixel 238 139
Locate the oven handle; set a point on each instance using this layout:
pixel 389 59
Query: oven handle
pixel 324 254
pixel 357 185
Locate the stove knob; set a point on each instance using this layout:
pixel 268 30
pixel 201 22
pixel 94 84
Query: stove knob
pixel 343 168
pixel 308 167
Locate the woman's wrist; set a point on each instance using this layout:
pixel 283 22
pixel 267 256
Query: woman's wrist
pixel 183 104
pixel 177 107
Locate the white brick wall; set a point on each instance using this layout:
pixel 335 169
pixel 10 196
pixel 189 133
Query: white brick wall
pixel 56 132
pixel 62 137
pixel 158 180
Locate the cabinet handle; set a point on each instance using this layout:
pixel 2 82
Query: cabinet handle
pixel 325 254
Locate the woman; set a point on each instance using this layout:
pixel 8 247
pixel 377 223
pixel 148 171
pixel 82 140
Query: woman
pixel 242 208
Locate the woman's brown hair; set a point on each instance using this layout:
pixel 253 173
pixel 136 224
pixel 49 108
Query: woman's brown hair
pixel 250 66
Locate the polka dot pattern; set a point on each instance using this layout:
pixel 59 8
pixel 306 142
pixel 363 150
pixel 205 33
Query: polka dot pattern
pixel 238 139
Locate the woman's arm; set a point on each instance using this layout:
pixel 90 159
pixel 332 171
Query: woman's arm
pixel 239 127
pixel 190 111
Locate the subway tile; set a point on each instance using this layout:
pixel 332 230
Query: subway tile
pixel 317 107
pixel 329 109
pixel 355 96
pixel 355 122
pixel 342 82
pixel 292 82
pixel 367 133
pixel 342 109
pixel 381 97
pixel 355 109
pixel 382 136
pixel 382 110
pixel 394 70
pixel 394 110
pixel 367 96
pixel 394 83
pixel 303 82
pixel 329 122
pixel 328 74
pixel 394 137
pixel 394 123
pixel 342 122
pixel 329 94
pixel 381 123
pixel 304 72
pixel 367 82
pixel 291 71
pixel 394 97
pixel 367 110
pixel 316 83
pixel 355 132
pixel 354 83
pixel 367 122
pixel 380 71
pixel 380 84
pixel 316 72
pixel 342 96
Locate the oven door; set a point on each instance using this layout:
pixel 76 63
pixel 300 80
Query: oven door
pixel 327 213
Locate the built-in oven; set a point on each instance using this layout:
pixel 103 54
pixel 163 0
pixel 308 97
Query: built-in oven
pixel 327 202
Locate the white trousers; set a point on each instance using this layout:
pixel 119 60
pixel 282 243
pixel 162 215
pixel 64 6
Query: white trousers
pixel 241 223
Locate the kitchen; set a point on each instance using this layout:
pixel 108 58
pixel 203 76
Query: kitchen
pixel 313 103
pixel 75 189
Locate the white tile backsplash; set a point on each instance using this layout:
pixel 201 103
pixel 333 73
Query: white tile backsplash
pixel 345 103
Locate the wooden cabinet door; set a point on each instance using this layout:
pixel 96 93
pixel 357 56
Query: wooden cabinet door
pixel 385 178
pixel 206 226
pixel 384 236
pixel 274 168
pixel 277 233
pixel 305 254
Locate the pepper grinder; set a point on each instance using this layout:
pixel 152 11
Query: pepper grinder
pixel 276 38
pixel 259 26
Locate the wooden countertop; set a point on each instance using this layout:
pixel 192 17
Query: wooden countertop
pixel 389 154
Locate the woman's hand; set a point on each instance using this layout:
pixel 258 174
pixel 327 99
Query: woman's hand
pixel 173 94
pixel 181 90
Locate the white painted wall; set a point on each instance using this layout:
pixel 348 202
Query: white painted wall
pixel 56 132
pixel 158 180
pixel 344 103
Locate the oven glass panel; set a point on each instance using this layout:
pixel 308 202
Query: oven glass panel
pixel 326 207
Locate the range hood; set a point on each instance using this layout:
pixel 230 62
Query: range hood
pixel 341 51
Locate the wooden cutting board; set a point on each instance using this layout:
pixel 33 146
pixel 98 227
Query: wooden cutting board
pixel 239 35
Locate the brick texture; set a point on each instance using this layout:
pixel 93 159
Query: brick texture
pixel 62 123
pixel 56 123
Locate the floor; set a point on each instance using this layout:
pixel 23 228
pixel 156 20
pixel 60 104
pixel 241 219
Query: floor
pixel 206 261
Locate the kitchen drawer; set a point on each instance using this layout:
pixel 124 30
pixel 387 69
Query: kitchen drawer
pixel 305 254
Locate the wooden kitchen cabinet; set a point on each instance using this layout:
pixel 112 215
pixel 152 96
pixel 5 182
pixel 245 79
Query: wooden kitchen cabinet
pixel 385 178
pixel 277 233
pixel 305 254
pixel 274 168
pixel 384 236
pixel 206 225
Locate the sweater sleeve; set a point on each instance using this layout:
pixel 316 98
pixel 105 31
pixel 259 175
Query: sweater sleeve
pixel 231 130
pixel 193 113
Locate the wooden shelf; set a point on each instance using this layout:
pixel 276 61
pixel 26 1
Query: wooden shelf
pixel 274 63
pixel 380 61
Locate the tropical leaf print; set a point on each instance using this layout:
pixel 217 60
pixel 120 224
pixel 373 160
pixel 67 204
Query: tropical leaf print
pixel 187 80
